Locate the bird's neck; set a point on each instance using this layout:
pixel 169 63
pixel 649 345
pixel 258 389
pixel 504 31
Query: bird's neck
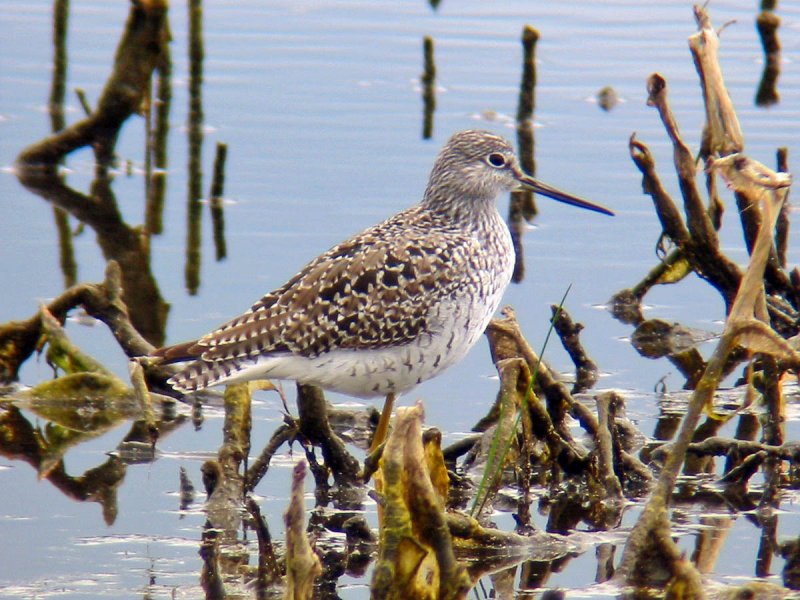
pixel 459 206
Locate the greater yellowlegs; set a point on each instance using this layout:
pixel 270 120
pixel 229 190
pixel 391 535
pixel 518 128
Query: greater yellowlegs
pixel 392 306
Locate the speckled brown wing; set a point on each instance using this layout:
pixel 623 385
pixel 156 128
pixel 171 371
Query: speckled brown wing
pixel 372 291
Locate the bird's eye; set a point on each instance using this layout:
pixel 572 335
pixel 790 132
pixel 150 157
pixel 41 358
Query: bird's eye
pixel 496 160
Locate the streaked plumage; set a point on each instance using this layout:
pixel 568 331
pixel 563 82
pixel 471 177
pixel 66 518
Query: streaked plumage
pixel 391 306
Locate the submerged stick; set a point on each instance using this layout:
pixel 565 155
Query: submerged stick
pixel 314 425
pixel 767 24
pixel 157 146
pixel 428 81
pixel 586 372
pixel 142 395
pixel 194 134
pixel 216 202
pixel 269 570
pixel 522 207
pixel 285 433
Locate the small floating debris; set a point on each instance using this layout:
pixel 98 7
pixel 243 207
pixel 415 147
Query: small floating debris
pixel 607 98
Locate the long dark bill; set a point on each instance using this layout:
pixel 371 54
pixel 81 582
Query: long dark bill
pixel 528 182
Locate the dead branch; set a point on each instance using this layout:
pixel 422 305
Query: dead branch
pixel 506 341
pixel 586 372
pixel 258 468
pixel 314 425
pixel 18 339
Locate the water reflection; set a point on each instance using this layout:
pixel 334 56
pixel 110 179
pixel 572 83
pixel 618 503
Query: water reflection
pixel 67 426
pixel 195 137
pixel 118 241
pixel 56 109
pixel 40 433
pixel 156 157
pixel 138 54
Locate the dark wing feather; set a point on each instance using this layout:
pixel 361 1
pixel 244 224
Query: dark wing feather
pixel 371 291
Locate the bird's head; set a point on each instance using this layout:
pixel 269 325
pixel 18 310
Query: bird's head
pixel 477 166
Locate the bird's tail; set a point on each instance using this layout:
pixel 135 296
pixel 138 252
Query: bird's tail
pixel 195 374
pixel 201 374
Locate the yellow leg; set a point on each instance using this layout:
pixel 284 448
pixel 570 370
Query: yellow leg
pixel 383 423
